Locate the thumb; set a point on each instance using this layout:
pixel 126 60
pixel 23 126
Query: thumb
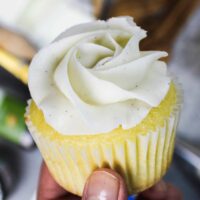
pixel 105 184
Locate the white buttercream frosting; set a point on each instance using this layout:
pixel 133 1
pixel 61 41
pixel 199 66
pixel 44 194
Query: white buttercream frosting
pixel 93 78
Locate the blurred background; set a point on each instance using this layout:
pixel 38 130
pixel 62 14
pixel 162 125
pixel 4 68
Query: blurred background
pixel 27 25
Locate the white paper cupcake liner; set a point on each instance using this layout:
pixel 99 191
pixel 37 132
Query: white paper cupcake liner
pixel 142 160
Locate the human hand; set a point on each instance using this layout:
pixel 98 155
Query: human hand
pixel 103 184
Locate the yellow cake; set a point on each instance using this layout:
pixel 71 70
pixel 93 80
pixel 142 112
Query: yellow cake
pixel 141 153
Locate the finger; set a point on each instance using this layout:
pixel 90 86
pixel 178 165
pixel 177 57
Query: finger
pixel 157 192
pixel 173 193
pixel 105 184
pixel 49 189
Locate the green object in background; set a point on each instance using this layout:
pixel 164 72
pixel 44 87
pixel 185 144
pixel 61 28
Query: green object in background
pixel 12 125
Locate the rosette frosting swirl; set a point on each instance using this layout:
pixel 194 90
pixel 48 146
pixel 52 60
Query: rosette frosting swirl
pixel 93 78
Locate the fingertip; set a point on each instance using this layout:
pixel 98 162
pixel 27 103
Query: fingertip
pixel 123 194
pixel 161 191
pixel 105 183
pixel 173 193
pixel 156 192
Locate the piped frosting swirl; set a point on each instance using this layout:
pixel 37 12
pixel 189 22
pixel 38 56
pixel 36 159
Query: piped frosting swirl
pixel 93 78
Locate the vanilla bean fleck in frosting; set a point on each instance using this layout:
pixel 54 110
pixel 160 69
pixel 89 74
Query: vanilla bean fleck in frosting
pixel 93 78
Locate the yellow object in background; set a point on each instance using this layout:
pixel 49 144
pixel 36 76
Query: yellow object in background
pixel 14 66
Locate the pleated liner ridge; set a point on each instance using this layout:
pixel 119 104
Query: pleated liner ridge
pixel 142 160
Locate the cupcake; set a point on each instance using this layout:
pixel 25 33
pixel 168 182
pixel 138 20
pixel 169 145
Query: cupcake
pixel 99 101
